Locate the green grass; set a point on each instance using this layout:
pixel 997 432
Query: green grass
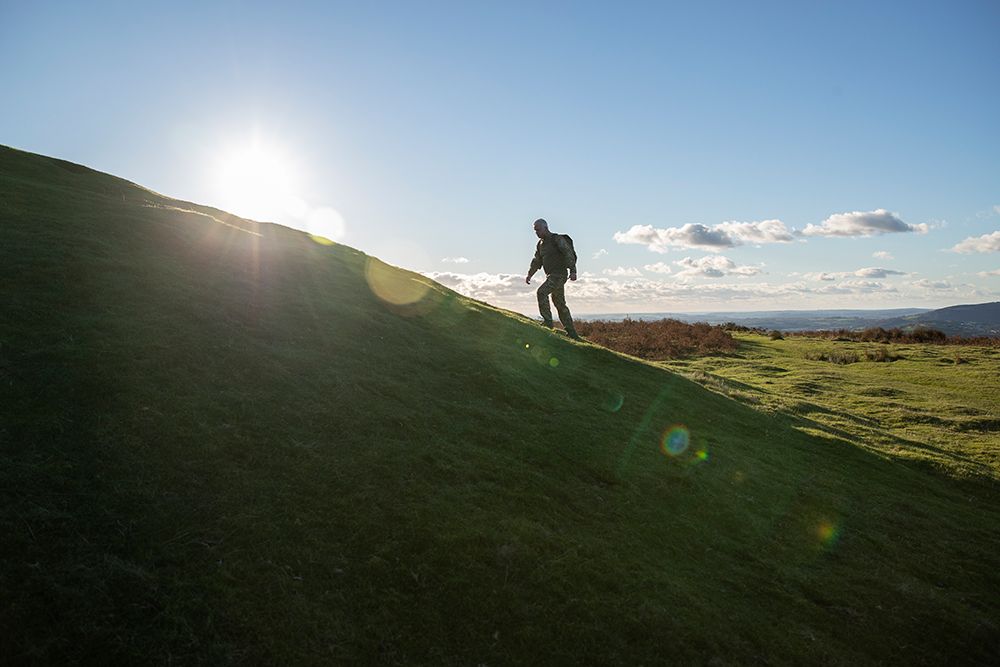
pixel 218 445
pixel 932 405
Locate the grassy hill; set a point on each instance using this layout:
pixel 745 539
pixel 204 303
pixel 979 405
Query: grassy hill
pixel 981 319
pixel 223 442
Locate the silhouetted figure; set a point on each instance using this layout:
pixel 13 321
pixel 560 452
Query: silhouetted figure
pixel 556 255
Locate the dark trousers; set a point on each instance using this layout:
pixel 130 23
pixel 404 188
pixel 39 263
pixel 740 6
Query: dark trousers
pixel 554 286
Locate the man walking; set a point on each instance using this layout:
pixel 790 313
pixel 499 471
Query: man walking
pixel 555 254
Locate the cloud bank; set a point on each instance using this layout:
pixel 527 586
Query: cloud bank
pixel 603 294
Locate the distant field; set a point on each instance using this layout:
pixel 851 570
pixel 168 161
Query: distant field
pixel 934 404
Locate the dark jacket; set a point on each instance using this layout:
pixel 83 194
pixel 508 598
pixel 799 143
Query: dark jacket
pixel 553 253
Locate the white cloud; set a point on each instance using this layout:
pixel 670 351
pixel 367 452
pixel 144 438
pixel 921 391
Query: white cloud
pixel 712 266
pixel 856 287
pixel 984 243
pixel 874 272
pixel 870 272
pixel 861 223
pixel 659 267
pixel 713 239
pixel 985 274
pixel 629 272
pixel 484 286
pixel 600 253
pixel 455 260
pixel 766 231
pixel 923 283
pixel 996 209
pixel 882 254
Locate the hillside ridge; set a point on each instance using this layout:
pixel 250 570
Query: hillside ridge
pixel 228 447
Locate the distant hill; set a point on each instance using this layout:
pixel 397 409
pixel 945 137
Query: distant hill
pixel 982 319
pixel 967 320
pixel 222 442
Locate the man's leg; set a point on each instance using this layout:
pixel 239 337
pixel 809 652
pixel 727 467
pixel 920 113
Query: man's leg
pixel 559 299
pixel 543 292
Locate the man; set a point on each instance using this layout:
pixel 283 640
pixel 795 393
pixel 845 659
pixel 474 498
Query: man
pixel 555 254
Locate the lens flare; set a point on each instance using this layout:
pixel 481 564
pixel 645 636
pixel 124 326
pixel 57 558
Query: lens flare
pixel 675 440
pixel 613 401
pixel 394 286
pixel 827 532
pixel 325 225
pixel 553 362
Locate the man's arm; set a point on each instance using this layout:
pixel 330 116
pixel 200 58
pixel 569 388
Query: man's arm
pixel 536 263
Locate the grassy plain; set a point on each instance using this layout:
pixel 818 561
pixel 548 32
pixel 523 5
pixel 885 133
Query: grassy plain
pixel 936 405
pixel 222 442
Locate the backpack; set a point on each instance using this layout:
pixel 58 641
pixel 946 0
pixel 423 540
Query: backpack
pixel 572 250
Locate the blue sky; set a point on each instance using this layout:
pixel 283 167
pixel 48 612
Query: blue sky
pixel 704 156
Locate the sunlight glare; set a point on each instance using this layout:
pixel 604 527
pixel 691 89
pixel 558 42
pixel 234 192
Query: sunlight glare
pixel 324 223
pixel 258 181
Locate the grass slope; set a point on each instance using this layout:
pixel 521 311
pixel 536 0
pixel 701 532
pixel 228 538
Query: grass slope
pixel 218 445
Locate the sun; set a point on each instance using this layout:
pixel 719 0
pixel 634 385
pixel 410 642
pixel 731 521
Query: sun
pixel 258 181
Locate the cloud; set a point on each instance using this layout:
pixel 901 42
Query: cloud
pixel 984 243
pixel 882 254
pixel 986 274
pixel 455 260
pixel 713 239
pixel 923 283
pixel 600 253
pixel 996 209
pixel 623 272
pixel 766 231
pixel 712 266
pixel 856 287
pixel 659 267
pixel 860 223
pixel 870 272
pixel 484 286
pixel 877 273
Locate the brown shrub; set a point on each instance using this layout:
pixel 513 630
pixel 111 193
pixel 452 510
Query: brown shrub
pixel 662 339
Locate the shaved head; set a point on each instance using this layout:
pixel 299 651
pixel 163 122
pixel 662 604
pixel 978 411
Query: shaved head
pixel 541 228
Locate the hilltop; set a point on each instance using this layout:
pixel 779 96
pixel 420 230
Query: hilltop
pixel 222 441
pixel 981 319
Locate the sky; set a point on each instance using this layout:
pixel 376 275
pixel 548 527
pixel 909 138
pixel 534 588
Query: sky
pixel 704 156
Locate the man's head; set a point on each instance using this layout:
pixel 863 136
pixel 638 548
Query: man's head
pixel 541 228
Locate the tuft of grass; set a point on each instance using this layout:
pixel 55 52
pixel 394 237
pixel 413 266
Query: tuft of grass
pixel 224 443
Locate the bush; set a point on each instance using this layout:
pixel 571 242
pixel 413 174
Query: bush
pixel 842 358
pixel 662 339
pixel 775 335
pixel 881 354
